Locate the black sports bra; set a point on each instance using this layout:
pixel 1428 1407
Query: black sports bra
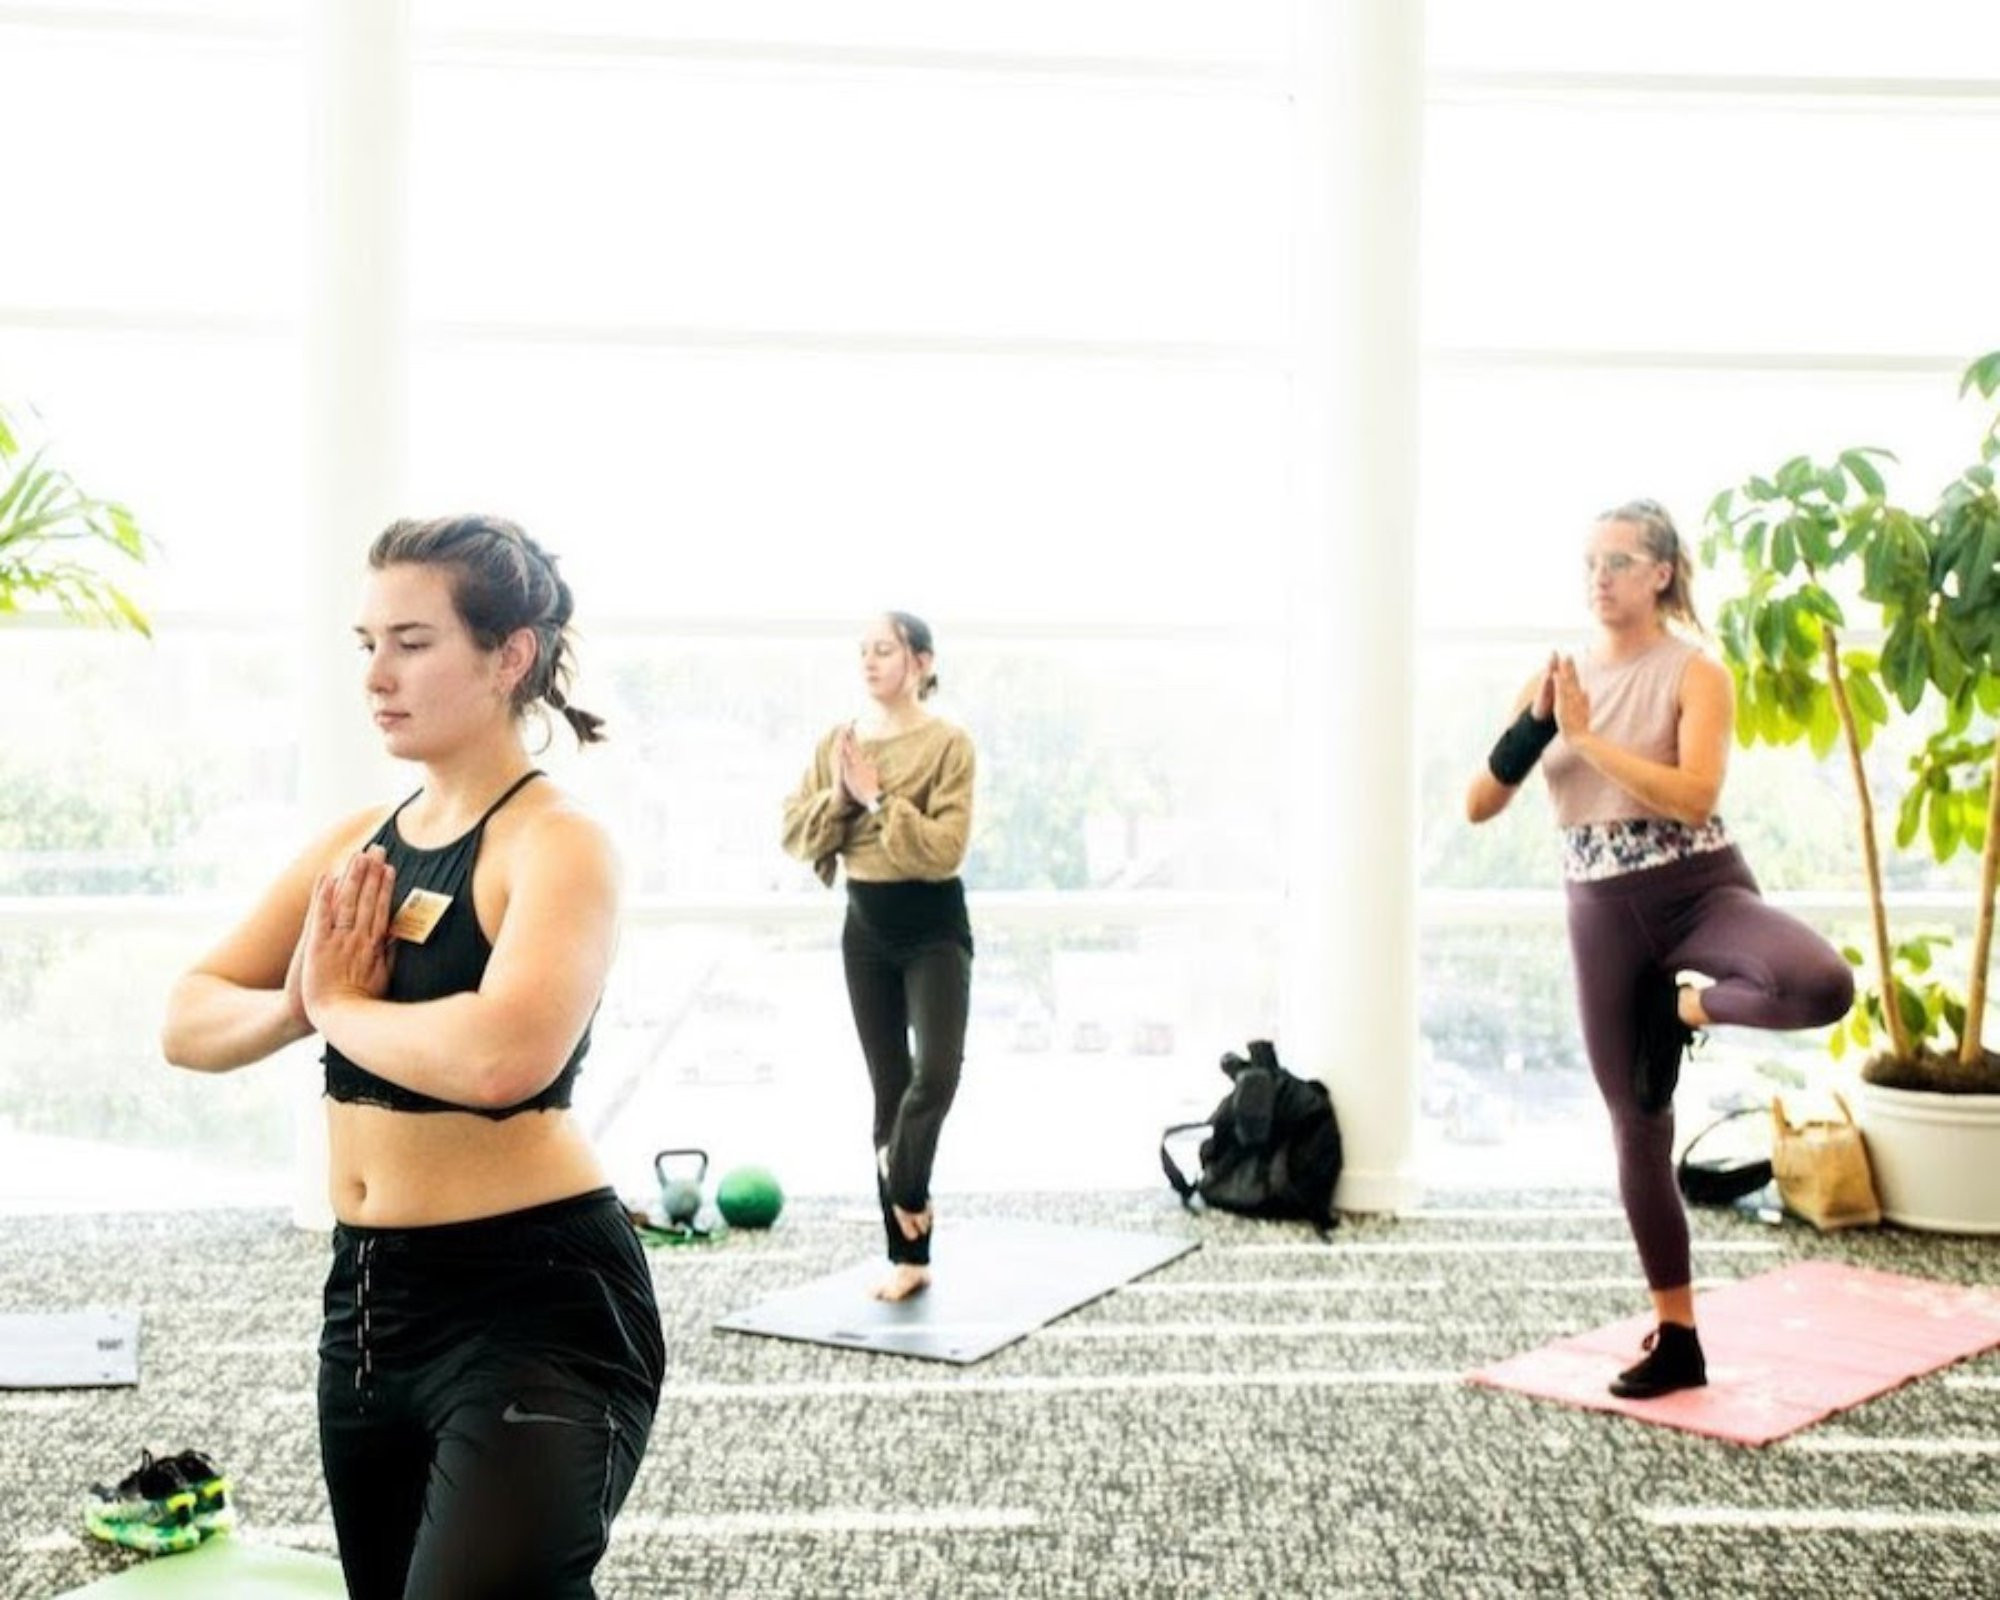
pixel 451 961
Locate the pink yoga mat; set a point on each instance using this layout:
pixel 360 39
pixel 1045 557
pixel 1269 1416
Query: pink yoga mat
pixel 1784 1349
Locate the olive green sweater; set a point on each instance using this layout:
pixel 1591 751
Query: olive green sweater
pixel 925 821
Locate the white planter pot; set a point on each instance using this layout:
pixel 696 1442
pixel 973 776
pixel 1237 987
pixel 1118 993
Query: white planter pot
pixel 1936 1157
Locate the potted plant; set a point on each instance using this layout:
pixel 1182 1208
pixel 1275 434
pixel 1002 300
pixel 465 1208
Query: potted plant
pixel 48 528
pixel 1813 539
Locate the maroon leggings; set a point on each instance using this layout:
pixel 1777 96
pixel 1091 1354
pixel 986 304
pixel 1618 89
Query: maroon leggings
pixel 1701 914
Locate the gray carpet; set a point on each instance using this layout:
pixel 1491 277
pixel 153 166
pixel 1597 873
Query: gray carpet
pixel 1249 1421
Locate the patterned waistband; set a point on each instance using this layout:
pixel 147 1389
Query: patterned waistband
pixel 1593 851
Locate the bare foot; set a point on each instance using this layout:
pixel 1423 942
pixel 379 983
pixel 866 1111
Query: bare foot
pixel 914 1224
pixel 905 1281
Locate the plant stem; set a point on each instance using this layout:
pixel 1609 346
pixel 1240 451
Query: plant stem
pixel 1971 1043
pixel 1892 1013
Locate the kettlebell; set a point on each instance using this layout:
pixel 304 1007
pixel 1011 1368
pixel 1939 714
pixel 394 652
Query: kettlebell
pixel 749 1197
pixel 680 1197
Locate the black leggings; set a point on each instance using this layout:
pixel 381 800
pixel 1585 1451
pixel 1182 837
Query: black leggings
pixel 485 1393
pixel 898 989
pixel 1701 914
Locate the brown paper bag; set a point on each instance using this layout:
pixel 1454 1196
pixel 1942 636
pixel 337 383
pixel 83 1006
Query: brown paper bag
pixel 1822 1169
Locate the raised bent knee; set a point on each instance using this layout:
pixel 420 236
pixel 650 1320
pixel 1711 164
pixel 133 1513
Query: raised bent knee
pixel 1829 993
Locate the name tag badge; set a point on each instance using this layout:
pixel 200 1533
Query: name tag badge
pixel 419 913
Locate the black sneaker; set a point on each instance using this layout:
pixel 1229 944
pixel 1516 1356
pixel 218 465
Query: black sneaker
pixel 200 1477
pixel 149 1509
pixel 1662 1042
pixel 1673 1360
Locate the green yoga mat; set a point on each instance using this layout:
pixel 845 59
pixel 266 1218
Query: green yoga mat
pixel 224 1567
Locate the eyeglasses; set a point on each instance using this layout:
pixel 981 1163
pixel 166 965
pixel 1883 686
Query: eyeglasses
pixel 1616 562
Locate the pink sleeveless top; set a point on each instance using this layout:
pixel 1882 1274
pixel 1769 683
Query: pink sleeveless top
pixel 1634 704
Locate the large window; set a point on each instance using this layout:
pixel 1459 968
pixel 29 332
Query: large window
pixel 768 317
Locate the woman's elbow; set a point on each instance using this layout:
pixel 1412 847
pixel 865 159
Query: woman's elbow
pixel 513 1076
pixel 174 1048
pixel 1700 808
pixel 180 1032
pixel 1485 799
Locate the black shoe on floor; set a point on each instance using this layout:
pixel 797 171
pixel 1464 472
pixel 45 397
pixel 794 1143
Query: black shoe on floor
pixel 1662 1042
pixel 1673 1360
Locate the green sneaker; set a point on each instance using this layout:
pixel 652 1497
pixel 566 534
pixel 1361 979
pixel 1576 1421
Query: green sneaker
pixel 199 1477
pixel 154 1538
pixel 163 1506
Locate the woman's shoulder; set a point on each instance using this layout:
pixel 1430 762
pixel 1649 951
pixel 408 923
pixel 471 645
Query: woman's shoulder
pixel 545 823
pixel 1703 669
pixel 947 738
pixel 546 809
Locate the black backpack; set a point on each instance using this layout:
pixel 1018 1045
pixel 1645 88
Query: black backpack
pixel 1273 1146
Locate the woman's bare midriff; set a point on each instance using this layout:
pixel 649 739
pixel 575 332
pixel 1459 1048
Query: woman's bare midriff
pixel 404 1169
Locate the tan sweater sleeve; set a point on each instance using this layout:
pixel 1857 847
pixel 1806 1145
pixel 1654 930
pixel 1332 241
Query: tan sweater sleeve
pixel 930 841
pixel 816 814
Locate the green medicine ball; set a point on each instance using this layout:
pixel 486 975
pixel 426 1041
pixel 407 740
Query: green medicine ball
pixel 749 1197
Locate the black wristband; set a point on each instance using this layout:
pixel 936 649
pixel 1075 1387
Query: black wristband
pixel 1520 747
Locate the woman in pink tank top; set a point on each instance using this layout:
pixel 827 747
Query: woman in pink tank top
pixel 1636 733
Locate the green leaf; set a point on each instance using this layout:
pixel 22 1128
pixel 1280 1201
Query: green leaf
pixel 1796 478
pixel 1910 817
pixel 1771 633
pixel 1857 462
pixel 1869 706
pixel 1732 628
pixel 1822 722
pixel 1784 547
pixel 1910 1006
pixel 1983 375
pixel 1802 632
pixel 1948 664
pixel 1906 663
pixel 1749 715
pixel 1944 827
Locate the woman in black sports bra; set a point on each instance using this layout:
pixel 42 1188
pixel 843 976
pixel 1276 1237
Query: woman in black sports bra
pixel 491 1356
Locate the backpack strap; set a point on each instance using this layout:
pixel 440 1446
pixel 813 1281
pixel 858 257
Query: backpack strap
pixel 1175 1176
pixel 1723 1121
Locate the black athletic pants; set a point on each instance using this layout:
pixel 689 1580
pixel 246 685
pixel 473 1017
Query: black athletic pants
pixel 1701 914
pixel 909 990
pixel 485 1393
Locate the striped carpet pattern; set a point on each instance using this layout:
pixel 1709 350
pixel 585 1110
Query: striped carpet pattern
pixel 1270 1415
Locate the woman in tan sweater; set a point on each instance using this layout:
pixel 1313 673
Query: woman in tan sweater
pixel 890 796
